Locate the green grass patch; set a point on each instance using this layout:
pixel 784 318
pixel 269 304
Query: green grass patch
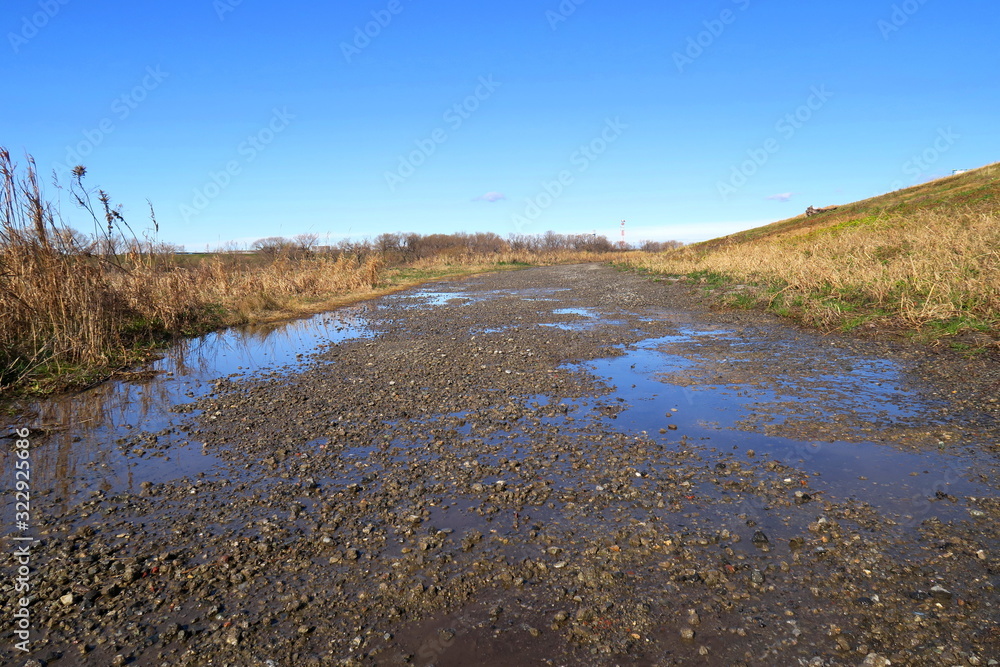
pixel 710 279
pixel 956 326
pixel 840 305
pixel 853 323
pixel 743 300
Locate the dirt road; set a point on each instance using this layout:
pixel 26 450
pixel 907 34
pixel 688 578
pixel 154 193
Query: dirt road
pixel 555 466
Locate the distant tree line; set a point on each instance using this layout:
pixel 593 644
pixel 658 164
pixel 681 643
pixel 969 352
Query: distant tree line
pixel 551 241
pixel 410 246
pixel 660 246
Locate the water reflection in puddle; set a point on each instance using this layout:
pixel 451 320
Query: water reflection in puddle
pixel 708 416
pixel 583 312
pixel 430 298
pixel 585 319
pixel 119 434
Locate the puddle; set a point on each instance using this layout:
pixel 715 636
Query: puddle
pixel 591 320
pixel 570 326
pixel 116 435
pixel 432 297
pixel 438 298
pixel 489 330
pixel 907 486
pixel 583 312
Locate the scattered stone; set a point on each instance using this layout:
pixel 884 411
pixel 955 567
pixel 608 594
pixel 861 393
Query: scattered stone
pixel 940 593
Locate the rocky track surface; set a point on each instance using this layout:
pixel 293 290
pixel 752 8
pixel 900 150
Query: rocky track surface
pixel 474 485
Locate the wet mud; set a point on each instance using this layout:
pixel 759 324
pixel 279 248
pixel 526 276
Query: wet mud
pixel 557 466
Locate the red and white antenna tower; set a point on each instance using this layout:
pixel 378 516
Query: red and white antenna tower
pixel 623 235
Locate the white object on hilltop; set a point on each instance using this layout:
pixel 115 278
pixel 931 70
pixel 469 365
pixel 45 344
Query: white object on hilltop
pixel 956 172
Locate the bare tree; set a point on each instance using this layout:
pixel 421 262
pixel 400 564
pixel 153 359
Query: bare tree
pixel 270 246
pixel 306 243
pixel 386 243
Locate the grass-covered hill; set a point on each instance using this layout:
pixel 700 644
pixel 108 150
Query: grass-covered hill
pixel 924 259
pixel 977 189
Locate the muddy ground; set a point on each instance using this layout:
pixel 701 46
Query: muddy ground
pixel 556 466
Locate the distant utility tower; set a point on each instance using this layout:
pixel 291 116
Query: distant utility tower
pixel 623 236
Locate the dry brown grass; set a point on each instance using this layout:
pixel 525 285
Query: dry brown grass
pixel 931 268
pixel 247 292
pixel 73 308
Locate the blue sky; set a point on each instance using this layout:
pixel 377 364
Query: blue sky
pixel 240 119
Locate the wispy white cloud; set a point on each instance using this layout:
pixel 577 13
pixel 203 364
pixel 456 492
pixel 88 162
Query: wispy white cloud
pixel 491 197
pixel 784 196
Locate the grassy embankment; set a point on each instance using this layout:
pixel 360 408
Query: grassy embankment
pixel 924 261
pixel 77 307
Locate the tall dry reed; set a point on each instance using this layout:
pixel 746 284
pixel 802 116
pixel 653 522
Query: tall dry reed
pixel 71 301
pixel 82 303
pixel 58 300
